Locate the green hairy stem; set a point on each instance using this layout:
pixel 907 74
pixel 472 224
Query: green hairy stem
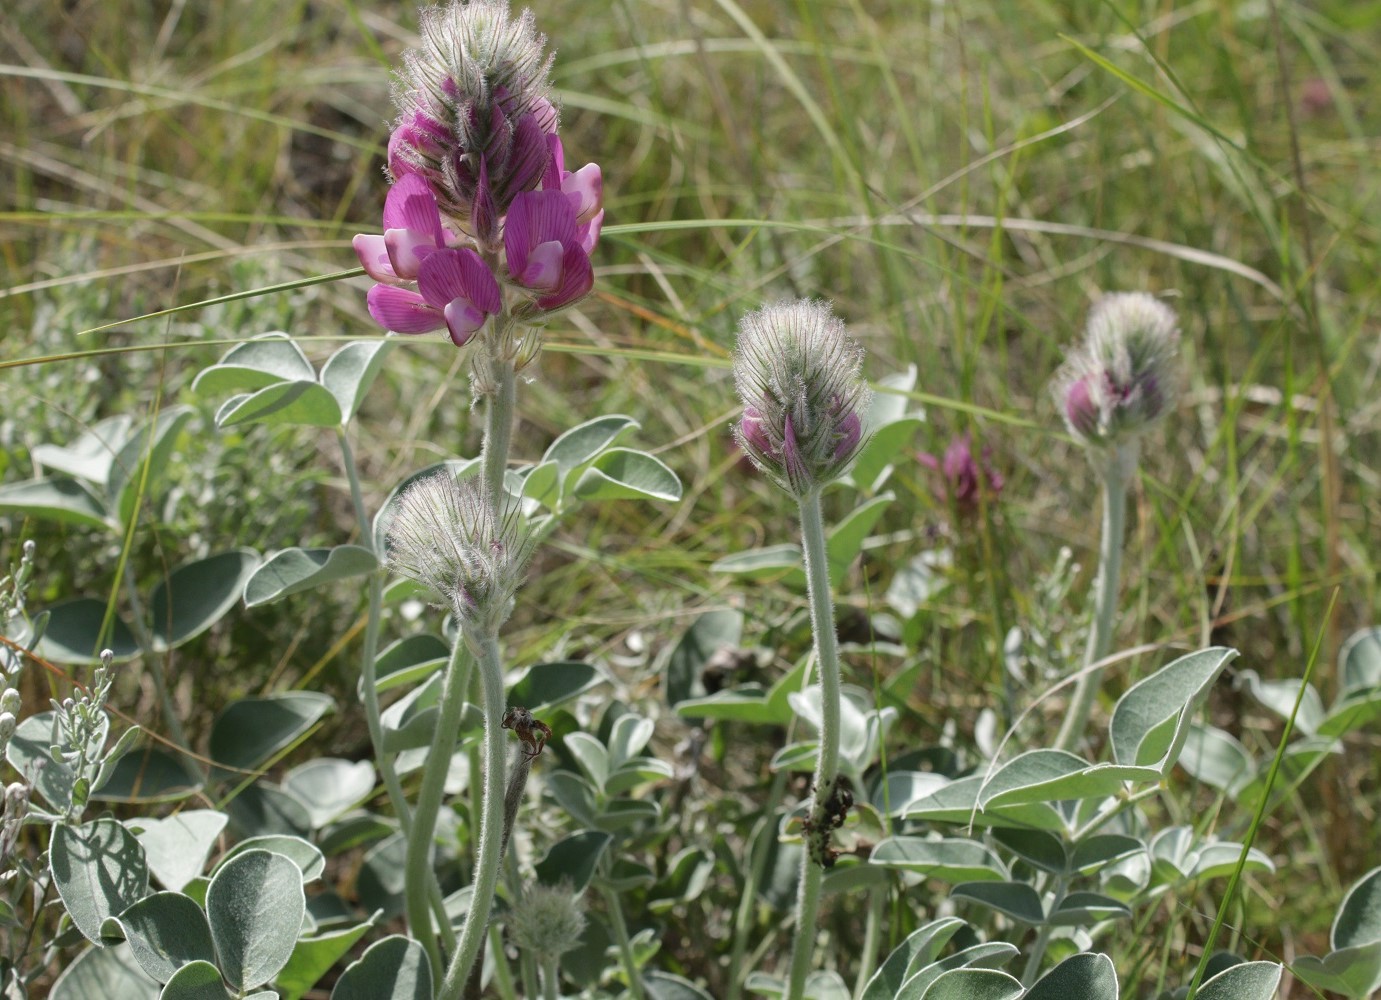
pixel 1118 466
pixel 824 808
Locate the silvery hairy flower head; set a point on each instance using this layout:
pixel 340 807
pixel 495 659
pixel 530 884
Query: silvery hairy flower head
pixel 799 374
pixel 548 920
pixel 1122 379
pixel 467 549
pixel 474 110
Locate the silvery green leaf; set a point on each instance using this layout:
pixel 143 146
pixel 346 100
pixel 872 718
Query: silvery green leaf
pixel 255 905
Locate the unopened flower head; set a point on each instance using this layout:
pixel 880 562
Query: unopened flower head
pixel 1122 379
pixel 474 110
pixel 450 537
pixel 799 374
pixel 548 920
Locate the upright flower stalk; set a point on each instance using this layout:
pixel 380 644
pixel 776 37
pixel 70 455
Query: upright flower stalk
pixel 486 236
pixel 798 373
pixel 471 551
pixel 1116 385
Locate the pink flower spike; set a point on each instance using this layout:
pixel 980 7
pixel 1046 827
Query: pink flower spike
pixel 373 255
pixel 402 310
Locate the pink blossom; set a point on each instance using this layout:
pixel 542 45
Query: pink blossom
pixel 456 290
pixel 543 249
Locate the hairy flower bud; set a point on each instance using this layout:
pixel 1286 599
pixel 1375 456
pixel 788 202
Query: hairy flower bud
pixel 548 920
pixel 474 110
pixel 1121 380
pixel 450 537
pixel 798 373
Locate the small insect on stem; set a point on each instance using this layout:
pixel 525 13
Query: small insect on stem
pixel 533 733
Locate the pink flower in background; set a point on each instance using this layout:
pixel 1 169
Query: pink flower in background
pixel 966 480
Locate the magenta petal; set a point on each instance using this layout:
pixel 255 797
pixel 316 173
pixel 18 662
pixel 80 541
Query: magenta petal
pixel 847 434
pixel 448 275
pixel 556 165
pixel 484 212
pixel 373 255
pixel 536 217
pixel 753 430
pixel 402 310
pixel 585 188
pixel 527 158
pixel 543 270
pixel 577 278
pixel 462 320
pixel 397 213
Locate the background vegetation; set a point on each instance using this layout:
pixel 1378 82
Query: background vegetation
pixel 961 179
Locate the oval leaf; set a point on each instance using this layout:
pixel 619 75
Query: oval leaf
pixel 624 474
pixel 974 984
pixel 195 981
pixel 328 787
pixel 198 594
pixel 151 444
pixel 65 501
pixel 251 730
pixel 307 856
pixel 1247 981
pixel 292 571
pixel 951 859
pixel 149 774
pixel 548 684
pixel 264 360
pixel 582 443
pixel 177 847
pixel 99 871
pixel 574 859
pixel 296 403
pixel 74 633
pixel 1080 977
pixel 349 373
pixel 1016 899
pixel 109 973
pixel 166 931
pixel 1359 917
pixel 395 968
pixel 1151 721
pixel 255 904
pixel 90 455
